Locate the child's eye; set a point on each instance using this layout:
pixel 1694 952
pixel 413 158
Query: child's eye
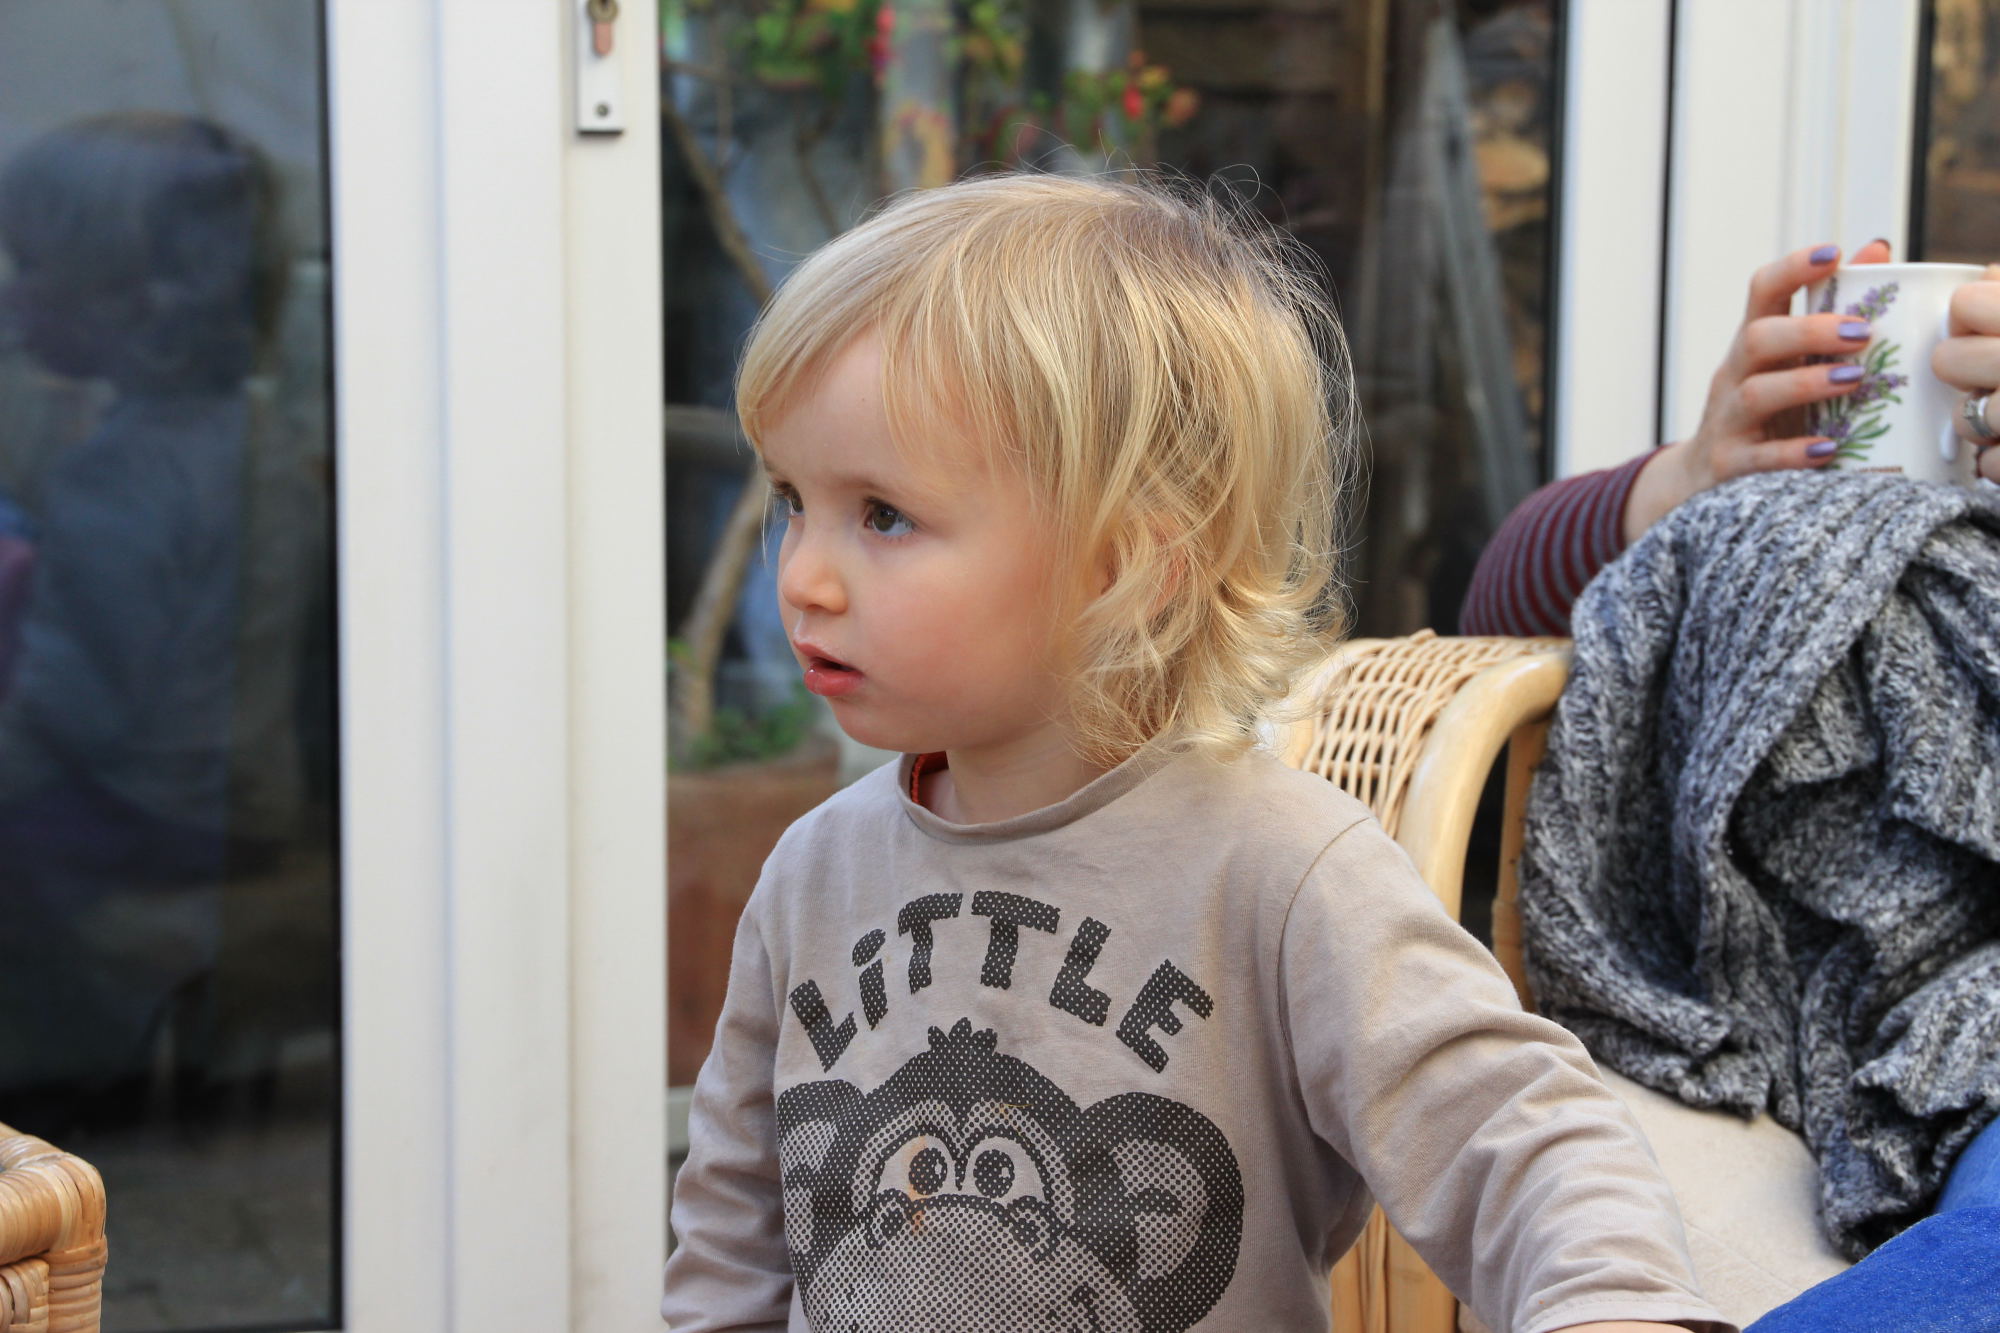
pixel 887 521
pixel 785 503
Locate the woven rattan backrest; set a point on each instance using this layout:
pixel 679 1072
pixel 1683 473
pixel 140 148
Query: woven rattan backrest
pixel 1374 704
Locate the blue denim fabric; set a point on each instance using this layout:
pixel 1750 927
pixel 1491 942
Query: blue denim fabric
pixel 1940 1276
pixel 1974 1181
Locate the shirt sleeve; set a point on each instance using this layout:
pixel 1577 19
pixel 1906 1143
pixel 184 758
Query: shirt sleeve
pixel 1484 1131
pixel 1553 544
pixel 730 1269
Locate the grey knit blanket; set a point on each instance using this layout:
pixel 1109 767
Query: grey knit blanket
pixel 1762 862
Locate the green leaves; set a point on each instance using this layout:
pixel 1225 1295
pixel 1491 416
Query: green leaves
pixel 738 736
pixel 801 45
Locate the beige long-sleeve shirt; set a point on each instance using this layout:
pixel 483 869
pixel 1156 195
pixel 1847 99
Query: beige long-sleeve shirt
pixel 1136 1061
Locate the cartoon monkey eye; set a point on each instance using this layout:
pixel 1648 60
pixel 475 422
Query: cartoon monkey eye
pixel 920 1166
pixel 993 1173
pixel 929 1171
pixel 1001 1169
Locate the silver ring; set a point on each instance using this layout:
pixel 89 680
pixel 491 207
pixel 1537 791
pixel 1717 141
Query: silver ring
pixel 1974 412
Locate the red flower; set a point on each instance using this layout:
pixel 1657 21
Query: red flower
pixel 1135 102
pixel 881 49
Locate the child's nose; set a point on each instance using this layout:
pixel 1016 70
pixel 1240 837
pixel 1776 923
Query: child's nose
pixel 808 577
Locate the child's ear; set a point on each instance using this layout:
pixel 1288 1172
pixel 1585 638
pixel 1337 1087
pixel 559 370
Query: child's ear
pixel 1104 571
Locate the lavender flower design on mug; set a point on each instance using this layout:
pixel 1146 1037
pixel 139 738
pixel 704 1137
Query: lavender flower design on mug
pixel 1855 422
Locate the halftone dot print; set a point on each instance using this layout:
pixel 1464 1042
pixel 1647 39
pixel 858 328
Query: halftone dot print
pixel 970 1192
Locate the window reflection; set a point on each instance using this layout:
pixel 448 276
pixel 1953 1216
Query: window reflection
pixel 167 891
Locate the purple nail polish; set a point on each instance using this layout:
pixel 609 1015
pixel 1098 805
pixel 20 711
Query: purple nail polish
pixel 1821 448
pixel 1855 329
pixel 1824 255
pixel 1845 374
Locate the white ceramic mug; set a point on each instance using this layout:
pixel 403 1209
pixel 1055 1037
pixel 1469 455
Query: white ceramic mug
pixel 1901 418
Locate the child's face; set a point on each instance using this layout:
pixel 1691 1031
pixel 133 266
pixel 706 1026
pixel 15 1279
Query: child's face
pixel 919 601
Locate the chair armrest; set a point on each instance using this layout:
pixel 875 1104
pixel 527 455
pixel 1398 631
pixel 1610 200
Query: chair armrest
pixel 24 1296
pixel 1451 769
pixel 50 1201
pixel 52 1248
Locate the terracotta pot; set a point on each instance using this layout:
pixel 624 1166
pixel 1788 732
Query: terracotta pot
pixel 721 824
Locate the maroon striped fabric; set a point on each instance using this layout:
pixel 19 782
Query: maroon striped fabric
pixel 1553 543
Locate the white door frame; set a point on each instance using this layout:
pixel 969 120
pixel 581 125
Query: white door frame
pixel 618 704
pixel 1610 233
pixel 497 390
pixel 1793 125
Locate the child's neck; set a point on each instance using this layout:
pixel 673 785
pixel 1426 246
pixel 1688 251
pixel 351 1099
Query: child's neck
pixel 982 786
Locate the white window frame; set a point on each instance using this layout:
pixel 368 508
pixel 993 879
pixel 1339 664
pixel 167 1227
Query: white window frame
pixel 497 391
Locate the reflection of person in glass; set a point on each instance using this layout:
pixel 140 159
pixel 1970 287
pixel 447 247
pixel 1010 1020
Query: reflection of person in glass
pixel 144 256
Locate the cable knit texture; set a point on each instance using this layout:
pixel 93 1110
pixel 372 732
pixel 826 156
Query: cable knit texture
pixel 1762 865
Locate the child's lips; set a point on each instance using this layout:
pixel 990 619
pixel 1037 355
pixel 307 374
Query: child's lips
pixel 829 677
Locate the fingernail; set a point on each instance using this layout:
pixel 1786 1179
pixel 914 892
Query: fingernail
pixel 1824 255
pixel 1820 448
pixel 1855 329
pixel 1845 374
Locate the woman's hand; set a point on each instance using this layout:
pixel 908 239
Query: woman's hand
pixel 1754 419
pixel 1969 360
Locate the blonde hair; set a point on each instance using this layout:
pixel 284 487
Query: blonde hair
pixel 1161 369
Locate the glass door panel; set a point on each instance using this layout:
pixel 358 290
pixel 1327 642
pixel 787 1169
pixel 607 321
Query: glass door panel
pixel 1956 203
pixel 169 994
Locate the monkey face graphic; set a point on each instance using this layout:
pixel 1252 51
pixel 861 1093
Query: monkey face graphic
pixel 970 1192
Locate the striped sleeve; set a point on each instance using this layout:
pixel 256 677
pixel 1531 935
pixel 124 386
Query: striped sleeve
pixel 1553 543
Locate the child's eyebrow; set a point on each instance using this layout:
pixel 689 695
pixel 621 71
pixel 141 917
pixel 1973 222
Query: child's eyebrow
pixel 862 481
pixel 913 486
pixel 910 487
pixel 854 481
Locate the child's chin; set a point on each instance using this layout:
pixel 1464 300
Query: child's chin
pixel 864 731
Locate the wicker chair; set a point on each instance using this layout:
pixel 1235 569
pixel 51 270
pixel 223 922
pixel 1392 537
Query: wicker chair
pixel 51 1238
pixel 1412 728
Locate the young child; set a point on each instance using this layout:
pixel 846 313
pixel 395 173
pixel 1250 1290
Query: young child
pixel 1087 1015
